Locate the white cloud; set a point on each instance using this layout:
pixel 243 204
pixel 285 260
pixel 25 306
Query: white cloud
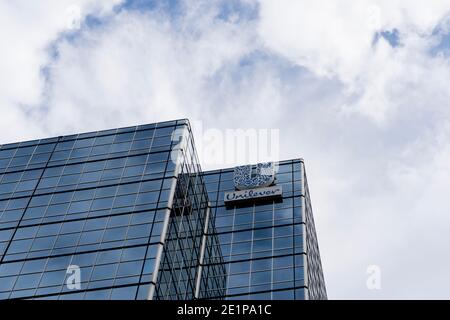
pixel 139 67
pixel 27 29
pixel 336 39
pixel 375 165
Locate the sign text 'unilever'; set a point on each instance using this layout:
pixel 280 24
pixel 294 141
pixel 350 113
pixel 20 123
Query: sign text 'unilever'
pixel 254 182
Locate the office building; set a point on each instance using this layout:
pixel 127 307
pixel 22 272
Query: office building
pixel 129 214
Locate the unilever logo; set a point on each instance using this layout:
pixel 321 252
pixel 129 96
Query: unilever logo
pixel 248 177
pixel 254 182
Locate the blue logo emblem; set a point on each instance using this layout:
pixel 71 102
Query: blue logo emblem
pixel 251 177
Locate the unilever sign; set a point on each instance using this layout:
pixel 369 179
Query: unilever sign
pixel 254 182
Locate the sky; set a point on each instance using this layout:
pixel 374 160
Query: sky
pixel 358 88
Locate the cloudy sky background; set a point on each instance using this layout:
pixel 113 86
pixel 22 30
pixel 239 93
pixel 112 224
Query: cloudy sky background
pixel 358 88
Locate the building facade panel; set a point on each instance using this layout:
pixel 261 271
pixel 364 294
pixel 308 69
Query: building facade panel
pixel 97 201
pixel 261 241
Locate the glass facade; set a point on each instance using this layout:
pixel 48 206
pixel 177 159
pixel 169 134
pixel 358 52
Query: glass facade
pixel 130 214
pixel 269 248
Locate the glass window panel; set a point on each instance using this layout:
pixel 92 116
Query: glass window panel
pixel 98 295
pixel 49 229
pixel 8 269
pixel 109 256
pixel 133 254
pixel 91 237
pixel 139 231
pixel 115 234
pixel 125 293
pixel 104 203
pixel 261 277
pixel 34 266
pixel 7 283
pixel 20 246
pixel 43 243
pixel 67 240
pixel 238 280
pixel 240 267
pixel 104 272
pixel 93 224
pixel 52 278
pixel 104 140
pixel 23 233
pixel 84 143
pixel 130 268
pixel 85 259
pixel 58 263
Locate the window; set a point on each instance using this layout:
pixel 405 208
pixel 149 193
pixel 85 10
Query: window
pixel 109 256
pixel 240 267
pixel 261 277
pixel 67 240
pixel 283 275
pixel 84 143
pixel 133 171
pixel 43 243
pixel 34 266
pixel 23 233
pixel 238 280
pixel 86 259
pixel 129 268
pixel 104 140
pixel 93 224
pixel 57 209
pixel 60 155
pixel 115 234
pixel 282 262
pixel 283 295
pixel 90 177
pixel 261 265
pixel 125 293
pixel 68 180
pixel 65 145
pixel 120 147
pixel 262 233
pixel 133 254
pixel 80 206
pixel 48 182
pixel 104 272
pixel 49 229
pixel 58 263
pixel 139 231
pixel 8 269
pixel 7 283
pixel 144 134
pixel 97 295
pixel 112 174
pixel 53 278
pixel 141 144
pixel 80 153
pixel 20 246
pixel 94 166
pixel 104 203
pixel 91 237
pixel 123 201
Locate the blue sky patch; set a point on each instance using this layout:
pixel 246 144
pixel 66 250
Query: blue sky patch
pixel 391 36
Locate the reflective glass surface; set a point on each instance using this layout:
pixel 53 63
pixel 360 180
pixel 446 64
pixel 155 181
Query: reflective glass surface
pixel 128 214
pixel 92 205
